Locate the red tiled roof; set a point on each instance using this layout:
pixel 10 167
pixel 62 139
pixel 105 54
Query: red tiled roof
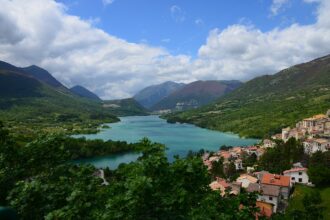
pixel 215 185
pixel 252 148
pixel 274 179
pixel 225 154
pixel 219 183
pixel 223 183
pixel 295 170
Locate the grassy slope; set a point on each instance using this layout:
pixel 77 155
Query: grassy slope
pixel 296 200
pixel 264 105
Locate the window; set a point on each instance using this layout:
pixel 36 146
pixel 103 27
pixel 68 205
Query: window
pixel 300 173
pixel 270 198
pixel 292 178
pixel 300 180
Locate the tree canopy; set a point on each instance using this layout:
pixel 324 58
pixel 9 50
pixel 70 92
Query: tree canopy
pixel 39 181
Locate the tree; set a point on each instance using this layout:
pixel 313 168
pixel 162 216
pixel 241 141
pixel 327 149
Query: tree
pixel 312 207
pixel 319 168
pixel 10 168
pixel 231 172
pixel 282 156
pixel 249 160
pixel 217 169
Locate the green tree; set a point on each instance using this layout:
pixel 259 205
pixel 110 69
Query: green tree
pixel 10 168
pixel 249 160
pixel 319 168
pixel 312 205
pixel 282 156
pixel 217 169
pixel 313 210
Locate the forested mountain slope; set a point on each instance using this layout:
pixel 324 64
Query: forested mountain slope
pixel 268 103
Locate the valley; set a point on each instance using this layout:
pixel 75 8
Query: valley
pixel 164 110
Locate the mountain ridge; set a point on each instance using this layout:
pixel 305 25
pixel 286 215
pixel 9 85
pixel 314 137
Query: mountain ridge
pixel 43 76
pixel 195 94
pixel 84 92
pixel 150 95
pixel 265 104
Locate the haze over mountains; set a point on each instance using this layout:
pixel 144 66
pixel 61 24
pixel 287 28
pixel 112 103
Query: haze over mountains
pixel 179 96
pixel 268 103
pixel 150 95
pixel 196 94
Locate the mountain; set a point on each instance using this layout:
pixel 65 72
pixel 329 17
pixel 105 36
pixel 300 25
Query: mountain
pixel 28 102
pixel 16 84
pixel 153 94
pixel 264 105
pixel 25 99
pixel 124 107
pixel 83 92
pixel 196 94
pixel 42 75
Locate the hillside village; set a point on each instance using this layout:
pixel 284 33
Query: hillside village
pixel 274 189
pixel 314 132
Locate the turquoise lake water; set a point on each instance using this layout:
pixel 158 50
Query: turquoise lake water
pixel 178 138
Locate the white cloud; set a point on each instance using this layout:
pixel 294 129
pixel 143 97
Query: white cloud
pixel 107 2
pixel 41 32
pixel 243 51
pixel 278 5
pixel 178 15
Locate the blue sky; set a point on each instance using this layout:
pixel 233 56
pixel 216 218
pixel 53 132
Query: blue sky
pixel 117 47
pixel 182 26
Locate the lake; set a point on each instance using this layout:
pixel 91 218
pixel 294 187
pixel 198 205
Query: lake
pixel 178 138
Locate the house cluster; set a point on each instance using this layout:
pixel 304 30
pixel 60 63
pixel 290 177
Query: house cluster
pixel 314 132
pixel 233 155
pixel 273 189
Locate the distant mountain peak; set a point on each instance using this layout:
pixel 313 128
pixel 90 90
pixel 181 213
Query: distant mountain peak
pixel 196 94
pixel 265 104
pixel 83 92
pixel 42 75
pixel 150 95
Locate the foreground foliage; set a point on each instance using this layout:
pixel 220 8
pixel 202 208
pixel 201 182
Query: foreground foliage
pixel 39 181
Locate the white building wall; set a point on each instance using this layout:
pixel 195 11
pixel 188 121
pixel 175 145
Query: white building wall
pixel 296 177
pixel 239 165
pixel 245 182
pixel 310 148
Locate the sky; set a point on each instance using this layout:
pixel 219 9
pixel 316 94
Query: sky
pixel 117 47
